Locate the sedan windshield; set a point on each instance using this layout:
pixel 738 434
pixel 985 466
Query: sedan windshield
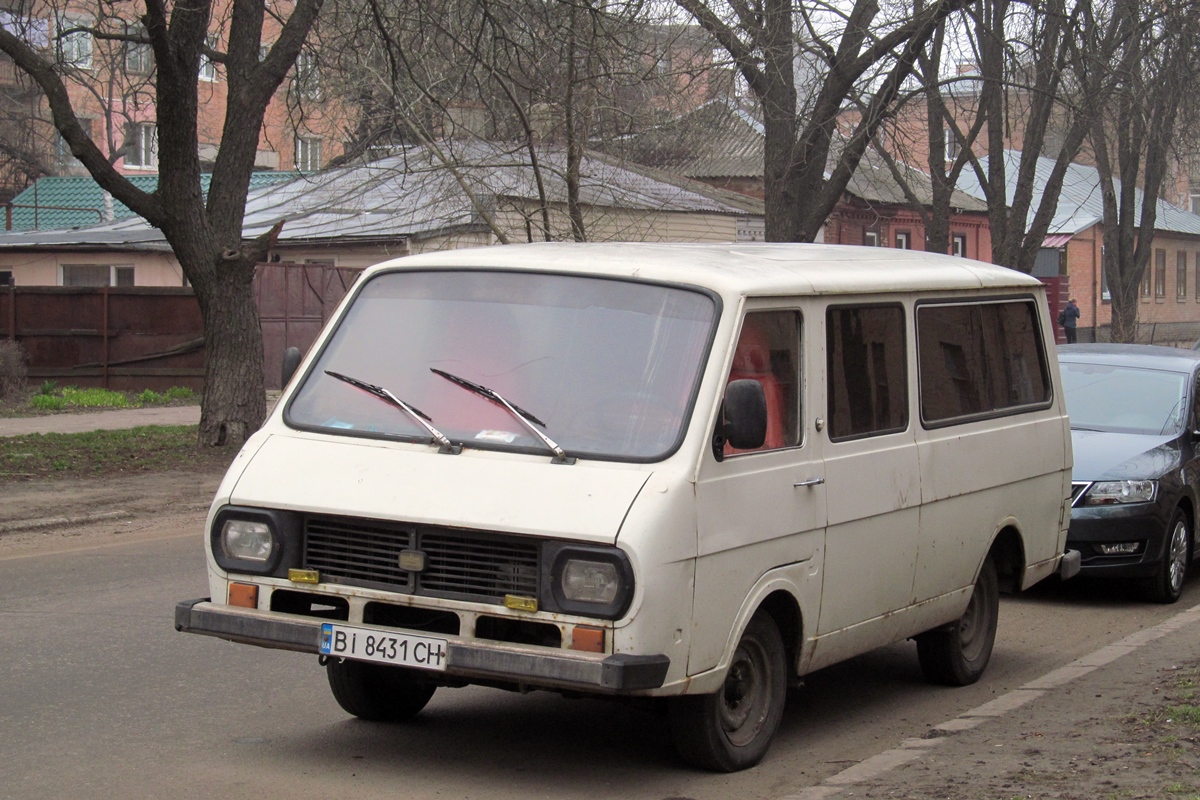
pixel 1124 399
pixel 605 368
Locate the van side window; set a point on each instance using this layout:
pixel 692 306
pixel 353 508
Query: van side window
pixel 768 351
pixel 868 373
pixel 977 359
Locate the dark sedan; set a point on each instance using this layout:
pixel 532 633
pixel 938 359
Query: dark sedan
pixel 1135 430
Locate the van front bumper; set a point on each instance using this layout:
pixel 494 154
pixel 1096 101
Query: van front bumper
pixel 493 661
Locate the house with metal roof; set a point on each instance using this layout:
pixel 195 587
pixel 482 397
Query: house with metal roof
pixel 419 198
pixel 74 201
pixel 1072 256
pixel 721 143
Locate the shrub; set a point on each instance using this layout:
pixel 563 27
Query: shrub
pixel 149 397
pixel 48 402
pixel 180 393
pixel 93 398
pixel 12 370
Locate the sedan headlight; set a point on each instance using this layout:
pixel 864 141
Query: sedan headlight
pixel 589 580
pixel 247 540
pixel 1111 493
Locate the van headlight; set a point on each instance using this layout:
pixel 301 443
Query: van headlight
pixel 1111 493
pixel 591 581
pixel 247 540
pixel 256 541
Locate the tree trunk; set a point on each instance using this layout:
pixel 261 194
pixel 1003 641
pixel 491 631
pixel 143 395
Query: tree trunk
pixel 234 401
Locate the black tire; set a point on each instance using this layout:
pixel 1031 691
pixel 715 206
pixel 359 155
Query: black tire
pixel 376 692
pixel 1167 585
pixel 958 653
pixel 732 729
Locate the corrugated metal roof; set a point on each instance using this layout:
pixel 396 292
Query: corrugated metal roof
pixel 413 194
pixel 1080 205
pixel 720 140
pixel 70 201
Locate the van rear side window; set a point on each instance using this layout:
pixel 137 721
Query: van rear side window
pixel 979 359
pixel 868 377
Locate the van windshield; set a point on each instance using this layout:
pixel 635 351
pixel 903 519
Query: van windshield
pixel 608 368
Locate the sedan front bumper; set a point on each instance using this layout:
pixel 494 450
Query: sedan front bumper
pixel 1097 525
pixel 467 659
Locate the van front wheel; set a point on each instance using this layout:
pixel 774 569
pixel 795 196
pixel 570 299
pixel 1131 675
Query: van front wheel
pixel 957 654
pixel 731 729
pixel 376 692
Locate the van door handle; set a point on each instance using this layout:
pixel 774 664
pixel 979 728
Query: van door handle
pixel 809 482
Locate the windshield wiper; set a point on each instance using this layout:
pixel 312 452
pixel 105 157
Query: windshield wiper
pixel 523 416
pixel 419 416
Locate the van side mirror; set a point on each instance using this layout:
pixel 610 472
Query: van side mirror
pixel 744 417
pixel 291 360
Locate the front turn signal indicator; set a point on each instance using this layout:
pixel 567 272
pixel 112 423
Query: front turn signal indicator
pixel 243 595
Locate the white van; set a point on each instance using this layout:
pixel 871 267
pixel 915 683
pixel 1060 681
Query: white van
pixel 688 472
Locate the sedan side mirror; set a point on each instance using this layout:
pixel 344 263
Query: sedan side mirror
pixel 744 417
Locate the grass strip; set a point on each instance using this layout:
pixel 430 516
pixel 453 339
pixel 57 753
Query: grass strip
pixel 152 448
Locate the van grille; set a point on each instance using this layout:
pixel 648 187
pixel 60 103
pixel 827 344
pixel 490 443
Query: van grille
pixel 473 565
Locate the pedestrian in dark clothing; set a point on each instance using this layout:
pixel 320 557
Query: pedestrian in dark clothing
pixel 1070 318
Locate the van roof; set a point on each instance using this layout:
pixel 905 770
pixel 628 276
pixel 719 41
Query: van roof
pixel 740 269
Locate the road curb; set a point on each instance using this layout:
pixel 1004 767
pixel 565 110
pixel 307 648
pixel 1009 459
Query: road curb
pixel 875 766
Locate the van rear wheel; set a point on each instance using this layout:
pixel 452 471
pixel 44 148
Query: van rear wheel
pixel 375 692
pixel 732 729
pixel 957 654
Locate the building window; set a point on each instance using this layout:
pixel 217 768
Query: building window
pixel 1196 200
pixel 308 154
pixel 871 238
pixel 1181 275
pixel 1146 276
pixel 139 57
pixel 6 278
pixel 1160 274
pixel 951 145
pixel 141 145
pixel 97 275
pixel 903 240
pixel 306 80
pixel 75 45
pixel 63 150
pixel 958 245
pixel 1105 294
pixel 1198 277
pixel 208 68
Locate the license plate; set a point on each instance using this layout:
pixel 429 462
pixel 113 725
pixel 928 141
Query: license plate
pixel 363 644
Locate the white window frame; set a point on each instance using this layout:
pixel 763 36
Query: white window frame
pixel 74 49
pixel 1105 294
pixel 139 56
pixel 115 273
pixel 307 153
pixel 208 68
pixel 306 76
pixel 951 144
pixel 871 238
pixel 903 240
pixel 144 154
pixel 958 244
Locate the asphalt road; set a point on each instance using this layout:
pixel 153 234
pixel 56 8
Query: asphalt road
pixel 100 697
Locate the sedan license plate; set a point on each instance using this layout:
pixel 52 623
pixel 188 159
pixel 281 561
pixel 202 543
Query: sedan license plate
pixel 363 644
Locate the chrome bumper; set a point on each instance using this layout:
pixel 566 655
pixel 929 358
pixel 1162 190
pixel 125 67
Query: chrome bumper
pixel 564 669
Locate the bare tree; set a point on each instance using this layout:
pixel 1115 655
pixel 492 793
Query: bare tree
pixel 205 233
pixel 854 53
pixel 1156 70
pixel 531 74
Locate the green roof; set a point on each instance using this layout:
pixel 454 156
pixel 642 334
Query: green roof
pixel 55 203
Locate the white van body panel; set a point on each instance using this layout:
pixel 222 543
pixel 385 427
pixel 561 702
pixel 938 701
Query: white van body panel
pixel 413 483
